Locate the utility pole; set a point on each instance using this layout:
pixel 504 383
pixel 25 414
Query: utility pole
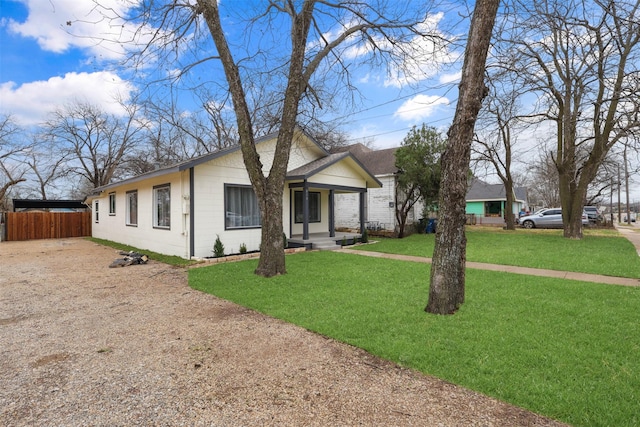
pixel 626 184
pixel 619 207
pixel 611 202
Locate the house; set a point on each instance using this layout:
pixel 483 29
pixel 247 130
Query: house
pixel 181 209
pixel 380 202
pixel 486 202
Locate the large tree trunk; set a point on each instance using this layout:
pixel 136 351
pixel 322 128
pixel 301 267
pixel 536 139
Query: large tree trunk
pixel 509 217
pixel 269 189
pixel 272 261
pixel 446 291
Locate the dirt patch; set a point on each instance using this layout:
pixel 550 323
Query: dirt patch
pixel 82 344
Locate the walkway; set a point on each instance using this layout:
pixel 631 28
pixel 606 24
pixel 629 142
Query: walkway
pixel 630 234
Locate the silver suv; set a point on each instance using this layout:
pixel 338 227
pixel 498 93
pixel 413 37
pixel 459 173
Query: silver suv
pixel 593 214
pixel 547 218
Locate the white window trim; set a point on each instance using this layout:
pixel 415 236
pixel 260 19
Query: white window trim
pixel 156 218
pixel 128 209
pixel 112 206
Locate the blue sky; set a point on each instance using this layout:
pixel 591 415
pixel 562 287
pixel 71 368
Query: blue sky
pixel 43 66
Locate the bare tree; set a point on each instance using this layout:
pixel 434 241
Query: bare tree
pixel 446 290
pixel 281 69
pixel 496 142
pixel 48 166
pixel 95 142
pixel 543 182
pixel 580 58
pixel 12 148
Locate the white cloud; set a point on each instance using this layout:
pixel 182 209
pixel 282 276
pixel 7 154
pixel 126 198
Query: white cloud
pixel 429 55
pixel 30 103
pixel 419 107
pixel 61 25
pixel 450 78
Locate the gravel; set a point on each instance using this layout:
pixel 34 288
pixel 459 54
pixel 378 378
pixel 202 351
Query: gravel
pixel 85 345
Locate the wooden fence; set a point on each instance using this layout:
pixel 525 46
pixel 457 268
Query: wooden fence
pixel 47 225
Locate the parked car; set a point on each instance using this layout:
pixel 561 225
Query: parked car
pixel 547 218
pixel 632 216
pixel 593 214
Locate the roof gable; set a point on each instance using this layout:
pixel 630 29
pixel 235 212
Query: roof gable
pixel 301 139
pixel 317 166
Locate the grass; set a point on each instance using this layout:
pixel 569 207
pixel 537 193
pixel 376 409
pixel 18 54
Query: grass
pixel 565 349
pixel 167 259
pixel 599 252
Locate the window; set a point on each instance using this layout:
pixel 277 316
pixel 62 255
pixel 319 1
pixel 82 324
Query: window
pixel 132 208
pixel 97 211
pixel 112 203
pixel 314 207
pixel 162 206
pixel 241 207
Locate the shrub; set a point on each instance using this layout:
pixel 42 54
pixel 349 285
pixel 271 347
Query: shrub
pixel 218 248
pixel 243 248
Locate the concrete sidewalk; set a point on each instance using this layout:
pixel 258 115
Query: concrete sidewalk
pixel 583 277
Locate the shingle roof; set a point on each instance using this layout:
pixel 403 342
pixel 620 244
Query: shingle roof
pixel 378 162
pixel 186 164
pixel 480 190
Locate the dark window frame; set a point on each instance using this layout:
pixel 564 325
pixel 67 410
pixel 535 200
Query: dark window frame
pixel 227 206
pixel 298 215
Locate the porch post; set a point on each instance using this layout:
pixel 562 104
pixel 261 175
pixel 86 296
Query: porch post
pixel 332 218
pixel 362 194
pixel 192 220
pixel 305 211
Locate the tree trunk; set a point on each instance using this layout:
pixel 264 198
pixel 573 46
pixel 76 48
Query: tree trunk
pixel 272 261
pixel 269 189
pixel 446 291
pixel 509 217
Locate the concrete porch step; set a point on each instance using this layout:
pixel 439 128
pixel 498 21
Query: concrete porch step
pixel 325 245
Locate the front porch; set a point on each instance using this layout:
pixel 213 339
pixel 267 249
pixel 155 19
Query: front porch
pixel 323 241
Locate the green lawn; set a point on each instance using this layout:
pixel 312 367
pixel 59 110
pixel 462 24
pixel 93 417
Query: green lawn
pixel 597 253
pixel 569 350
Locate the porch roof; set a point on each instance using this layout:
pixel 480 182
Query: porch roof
pixel 310 169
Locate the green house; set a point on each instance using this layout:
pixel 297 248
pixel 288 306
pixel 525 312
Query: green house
pixel 486 203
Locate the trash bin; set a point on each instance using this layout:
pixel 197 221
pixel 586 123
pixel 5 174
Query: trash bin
pixel 431 225
pixel 422 225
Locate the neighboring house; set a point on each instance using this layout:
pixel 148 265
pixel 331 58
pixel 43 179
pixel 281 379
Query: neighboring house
pixel 380 202
pixel 486 202
pixel 179 210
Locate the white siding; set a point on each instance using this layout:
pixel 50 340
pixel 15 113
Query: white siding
pixel 339 174
pixel 172 241
pixel 208 201
pixel 377 210
pixel 209 216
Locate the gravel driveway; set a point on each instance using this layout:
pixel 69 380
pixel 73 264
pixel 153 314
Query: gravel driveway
pixel 85 345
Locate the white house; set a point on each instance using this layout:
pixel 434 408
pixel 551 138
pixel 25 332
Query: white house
pixel 380 202
pixel 181 209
